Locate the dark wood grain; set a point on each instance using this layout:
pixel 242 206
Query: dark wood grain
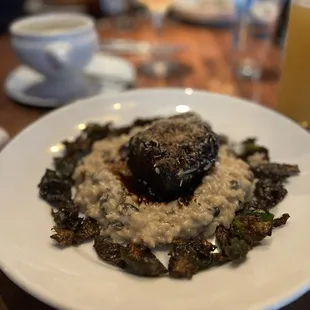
pixel 208 54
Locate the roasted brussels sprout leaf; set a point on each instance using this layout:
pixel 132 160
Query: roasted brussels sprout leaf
pixel 67 217
pixel 209 260
pixel 139 122
pixel 263 215
pixel 275 172
pixel 88 229
pixel 247 230
pixel 237 250
pixel 250 229
pixel 75 150
pixel 94 132
pixel 189 256
pixel 109 252
pixel 281 220
pixel 249 148
pixel 268 194
pixel 136 259
pixel 222 237
pixel 66 165
pixel 85 230
pixel 64 237
pixel 51 175
pixel 53 188
pixel 202 245
pixel 233 248
pixel 81 145
pixel 183 262
pixel 55 191
pixel 141 261
pixel 219 259
pixel 70 229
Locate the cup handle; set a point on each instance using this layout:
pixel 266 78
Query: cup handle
pixel 58 54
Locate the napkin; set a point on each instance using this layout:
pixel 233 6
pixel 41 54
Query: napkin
pixel 4 138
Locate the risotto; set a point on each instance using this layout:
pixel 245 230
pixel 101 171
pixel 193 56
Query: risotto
pixel 102 195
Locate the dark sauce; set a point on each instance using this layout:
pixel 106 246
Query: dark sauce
pixel 185 201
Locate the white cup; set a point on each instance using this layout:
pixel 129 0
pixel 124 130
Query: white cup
pixel 58 46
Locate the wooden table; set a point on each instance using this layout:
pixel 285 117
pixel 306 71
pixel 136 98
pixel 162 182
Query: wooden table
pixel 208 54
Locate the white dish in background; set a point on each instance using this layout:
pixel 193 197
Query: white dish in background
pixel 211 12
pixel 273 275
pixel 137 47
pixel 112 75
pixel 39 7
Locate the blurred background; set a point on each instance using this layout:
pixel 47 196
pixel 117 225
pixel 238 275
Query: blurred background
pixel 232 47
pixel 228 46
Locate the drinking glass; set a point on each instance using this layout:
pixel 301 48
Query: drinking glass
pixel 118 9
pixel 294 97
pixel 160 65
pixel 252 36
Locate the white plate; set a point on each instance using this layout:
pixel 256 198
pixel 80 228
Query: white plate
pixel 113 75
pixel 274 274
pixel 211 12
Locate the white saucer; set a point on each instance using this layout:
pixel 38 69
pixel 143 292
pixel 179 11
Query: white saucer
pixel 105 74
pixel 207 12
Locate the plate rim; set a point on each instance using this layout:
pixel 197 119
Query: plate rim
pixel 22 282
pixel 179 90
